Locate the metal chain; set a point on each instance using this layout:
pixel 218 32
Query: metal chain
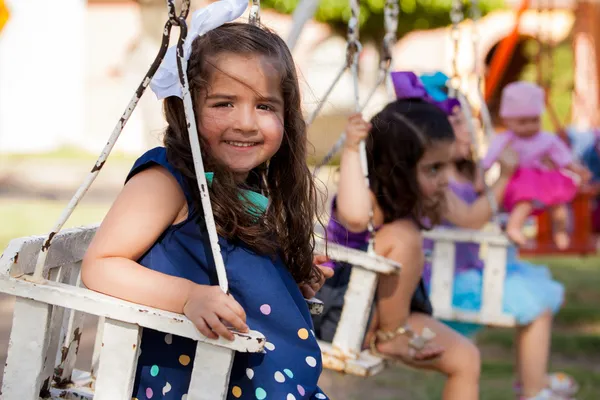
pixel 456 17
pixel 254 15
pixel 174 20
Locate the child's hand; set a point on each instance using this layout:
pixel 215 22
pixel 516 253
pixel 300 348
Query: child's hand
pixel 321 274
pixel 548 163
pixel 208 307
pixel 508 160
pixel 356 131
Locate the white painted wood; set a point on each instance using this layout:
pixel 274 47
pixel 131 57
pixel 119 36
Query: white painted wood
pixel 494 275
pixel 456 314
pixel 118 362
pixel 68 247
pixel 62 274
pixel 355 314
pixel 70 335
pixel 79 389
pixel 210 376
pixel 90 302
pixel 26 350
pixel 97 347
pixel 442 276
pixel 365 365
pixel 466 235
pixel 355 257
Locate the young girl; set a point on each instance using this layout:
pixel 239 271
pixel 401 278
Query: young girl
pixel 530 294
pixel 153 249
pixel 542 179
pixel 408 146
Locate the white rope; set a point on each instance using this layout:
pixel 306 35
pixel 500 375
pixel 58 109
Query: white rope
pixel 468 115
pixel 304 11
pixel 209 219
pixel 456 16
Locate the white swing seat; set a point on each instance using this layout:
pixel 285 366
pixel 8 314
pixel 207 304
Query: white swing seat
pixel 345 353
pixel 495 246
pixel 48 320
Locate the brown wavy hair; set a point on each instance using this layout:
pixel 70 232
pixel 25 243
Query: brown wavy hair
pixel 399 137
pixel 286 227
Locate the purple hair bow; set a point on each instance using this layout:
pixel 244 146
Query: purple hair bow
pixel 407 85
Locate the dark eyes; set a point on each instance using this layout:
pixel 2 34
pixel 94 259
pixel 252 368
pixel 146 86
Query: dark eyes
pixel 264 107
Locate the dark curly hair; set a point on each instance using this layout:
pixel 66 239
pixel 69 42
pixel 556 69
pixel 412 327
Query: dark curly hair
pixel 286 228
pixel 400 135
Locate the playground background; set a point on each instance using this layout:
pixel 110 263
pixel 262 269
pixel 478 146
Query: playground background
pixel 40 170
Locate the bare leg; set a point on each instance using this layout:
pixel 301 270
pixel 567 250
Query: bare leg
pixel 533 344
pixel 560 216
pixel 516 220
pixel 460 361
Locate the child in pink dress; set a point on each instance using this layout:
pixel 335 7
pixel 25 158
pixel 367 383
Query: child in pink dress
pixel 545 174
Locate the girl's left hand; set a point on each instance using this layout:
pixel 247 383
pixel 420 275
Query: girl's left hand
pixel 310 289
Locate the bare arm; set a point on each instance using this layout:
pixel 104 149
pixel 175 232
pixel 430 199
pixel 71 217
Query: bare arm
pixel 353 197
pixel 476 215
pixel 148 204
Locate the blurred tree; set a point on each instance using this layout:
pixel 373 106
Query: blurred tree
pixel 414 14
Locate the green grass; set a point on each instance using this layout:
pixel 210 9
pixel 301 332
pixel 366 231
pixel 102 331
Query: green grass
pixel 34 217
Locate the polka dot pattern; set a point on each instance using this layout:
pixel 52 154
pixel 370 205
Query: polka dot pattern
pixel 236 391
pixel 279 377
pixel 249 373
pixel 184 397
pixel 168 338
pixel 269 346
pixel 320 396
pixel 303 334
pixel 154 370
pixel 311 361
pixel 265 309
pixel 166 388
pixel 149 393
pixel 184 360
pixel 288 372
pixel 260 393
pixel 301 390
pixel 290 397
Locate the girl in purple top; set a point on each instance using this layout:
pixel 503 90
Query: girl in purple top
pixel 408 148
pixel 547 174
pixel 530 294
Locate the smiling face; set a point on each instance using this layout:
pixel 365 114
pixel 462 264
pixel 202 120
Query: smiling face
pixel 240 114
pixel 524 126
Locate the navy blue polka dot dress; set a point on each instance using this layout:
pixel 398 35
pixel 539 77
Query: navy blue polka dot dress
pixel 291 365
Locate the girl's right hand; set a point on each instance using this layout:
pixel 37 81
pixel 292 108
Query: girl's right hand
pixel 508 160
pixel 356 131
pixel 208 307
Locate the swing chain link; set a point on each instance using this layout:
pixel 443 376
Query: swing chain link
pixel 175 19
pixel 456 16
pixel 354 46
pixel 254 15
pixel 391 13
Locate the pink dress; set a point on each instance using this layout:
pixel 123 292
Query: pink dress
pixel 533 181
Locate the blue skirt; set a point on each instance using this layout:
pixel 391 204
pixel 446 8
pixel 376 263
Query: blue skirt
pixel 529 291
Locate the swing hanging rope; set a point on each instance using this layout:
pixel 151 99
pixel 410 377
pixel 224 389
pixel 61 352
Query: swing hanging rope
pixel 456 16
pixel 174 20
pixel 391 13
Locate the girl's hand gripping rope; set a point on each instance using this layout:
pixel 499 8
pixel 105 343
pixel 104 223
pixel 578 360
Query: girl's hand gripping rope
pixel 356 131
pixel 212 311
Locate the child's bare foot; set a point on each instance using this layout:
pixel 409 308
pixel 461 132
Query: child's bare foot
pixel 516 236
pixel 562 240
pixel 406 346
